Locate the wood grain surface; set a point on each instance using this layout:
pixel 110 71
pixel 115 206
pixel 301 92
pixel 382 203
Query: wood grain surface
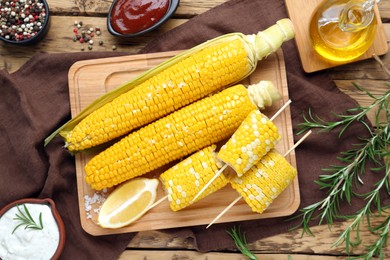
pixel 152 244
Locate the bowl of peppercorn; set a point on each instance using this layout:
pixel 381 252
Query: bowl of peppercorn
pixel 23 22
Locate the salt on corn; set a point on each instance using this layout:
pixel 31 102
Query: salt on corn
pixel 177 135
pixel 264 182
pixel 184 180
pixel 255 137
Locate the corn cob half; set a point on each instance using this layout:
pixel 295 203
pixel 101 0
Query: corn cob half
pixel 175 83
pixel 264 182
pixel 179 134
pixel 184 180
pixel 255 137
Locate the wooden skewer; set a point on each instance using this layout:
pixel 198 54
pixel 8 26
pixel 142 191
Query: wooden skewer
pixel 158 202
pixel 281 110
pixel 225 210
pixel 217 174
pixel 240 197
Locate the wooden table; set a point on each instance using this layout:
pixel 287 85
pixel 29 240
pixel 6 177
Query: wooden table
pixel 160 245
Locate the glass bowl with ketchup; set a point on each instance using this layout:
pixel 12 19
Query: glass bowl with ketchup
pixel 129 18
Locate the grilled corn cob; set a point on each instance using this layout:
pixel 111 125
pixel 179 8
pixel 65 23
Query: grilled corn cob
pixel 186 178
pixel 184 79
pixel 181 133
pixel 265 181
pixel 255 137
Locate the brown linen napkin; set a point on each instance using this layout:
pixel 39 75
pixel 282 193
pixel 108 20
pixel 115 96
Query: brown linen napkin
pixel 34 102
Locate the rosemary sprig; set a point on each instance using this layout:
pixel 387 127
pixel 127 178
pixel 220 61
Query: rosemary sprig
pixel 376 248
pixel 341 180
pixel 240 241
pixel 353 114
pixel 26 219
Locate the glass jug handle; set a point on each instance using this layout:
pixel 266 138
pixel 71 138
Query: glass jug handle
pixel 357 15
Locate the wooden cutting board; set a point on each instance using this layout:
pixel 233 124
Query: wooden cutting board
pixel 300 12
pixel 92 78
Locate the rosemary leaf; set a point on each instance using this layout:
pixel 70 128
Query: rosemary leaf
pixel 240 242
pixel 27 220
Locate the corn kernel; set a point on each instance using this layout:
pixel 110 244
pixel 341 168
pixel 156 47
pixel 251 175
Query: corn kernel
pixel 190 175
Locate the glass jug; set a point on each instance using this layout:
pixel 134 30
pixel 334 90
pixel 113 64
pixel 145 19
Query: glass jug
pixel 342 30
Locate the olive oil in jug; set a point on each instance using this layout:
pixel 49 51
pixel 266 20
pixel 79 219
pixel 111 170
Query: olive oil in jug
pixel 342 30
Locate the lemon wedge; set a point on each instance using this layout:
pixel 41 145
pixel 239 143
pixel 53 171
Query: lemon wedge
pixel 128 202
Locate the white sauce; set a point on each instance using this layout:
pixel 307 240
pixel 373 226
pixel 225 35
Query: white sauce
pixel 28 243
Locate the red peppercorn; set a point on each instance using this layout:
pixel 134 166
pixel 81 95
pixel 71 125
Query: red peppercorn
pixel 75 31
pixel 81 40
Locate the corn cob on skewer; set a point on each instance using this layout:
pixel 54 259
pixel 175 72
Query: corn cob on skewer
pixel 172 137
pixel 264 181
pixel 186 178
pixel 185 78
pixel 286 170
pixel 245 148
pixel 255 137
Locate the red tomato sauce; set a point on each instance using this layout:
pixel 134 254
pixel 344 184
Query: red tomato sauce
pixel 131 16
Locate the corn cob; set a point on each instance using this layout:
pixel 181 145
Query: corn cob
pixel 181 133
pixel 180 81
pixel 186 178
pixel 265 181
pixel 255 137
pixel 285 171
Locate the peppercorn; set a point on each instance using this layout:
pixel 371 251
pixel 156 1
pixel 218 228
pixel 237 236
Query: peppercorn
pixel 23 20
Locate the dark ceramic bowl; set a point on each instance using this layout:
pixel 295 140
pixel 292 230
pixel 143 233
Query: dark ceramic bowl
pixel 173 4
pixel 36 38
pixel 56 215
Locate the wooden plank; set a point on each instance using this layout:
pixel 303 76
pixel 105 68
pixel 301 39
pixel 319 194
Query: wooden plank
pixel 59 39
pixel 185 255
pixel 186 9
pixel 300 13
pixel 290 243
pixel 90 79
